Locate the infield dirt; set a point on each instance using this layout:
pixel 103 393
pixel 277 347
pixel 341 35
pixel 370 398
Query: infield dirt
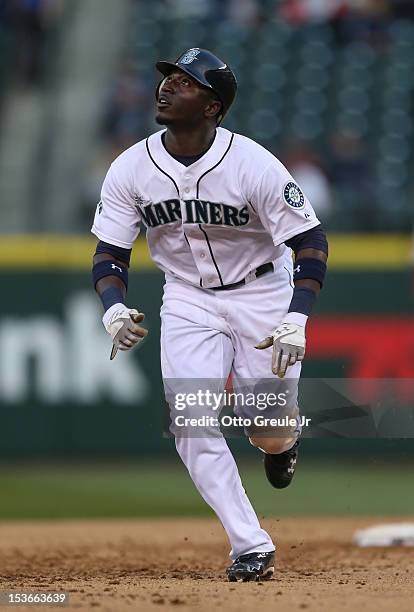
pixel 147 565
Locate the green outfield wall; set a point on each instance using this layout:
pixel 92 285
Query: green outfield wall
pixel 61 396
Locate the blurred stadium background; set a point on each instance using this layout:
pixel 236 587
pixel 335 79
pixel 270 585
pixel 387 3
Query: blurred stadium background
pixel 328 86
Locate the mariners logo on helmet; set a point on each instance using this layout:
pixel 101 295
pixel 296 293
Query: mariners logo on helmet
pixel 189 57
pixel 293 196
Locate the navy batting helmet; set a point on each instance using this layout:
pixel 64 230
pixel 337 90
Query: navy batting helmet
pixel 208 70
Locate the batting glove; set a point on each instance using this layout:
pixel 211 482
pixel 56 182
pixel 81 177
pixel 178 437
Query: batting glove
pixel 289 345
pixel 122 324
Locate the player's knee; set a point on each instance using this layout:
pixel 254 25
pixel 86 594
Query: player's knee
pixel 274 446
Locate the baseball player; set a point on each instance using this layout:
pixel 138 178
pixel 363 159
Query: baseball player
pixel 223 216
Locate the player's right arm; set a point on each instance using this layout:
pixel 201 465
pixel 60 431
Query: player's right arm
pixel 121 323
pixel 116 224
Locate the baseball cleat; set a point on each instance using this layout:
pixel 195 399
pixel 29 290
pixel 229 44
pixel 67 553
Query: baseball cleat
pixel 280 469
pixel 252 567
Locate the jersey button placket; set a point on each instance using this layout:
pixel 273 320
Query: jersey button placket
pixel 203 263
pixel 186 179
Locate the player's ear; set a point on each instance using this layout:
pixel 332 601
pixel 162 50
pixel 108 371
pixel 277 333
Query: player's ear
pixel 212 109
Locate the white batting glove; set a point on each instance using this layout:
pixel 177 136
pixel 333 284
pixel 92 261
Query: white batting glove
pixel 122 324
pixel 289 345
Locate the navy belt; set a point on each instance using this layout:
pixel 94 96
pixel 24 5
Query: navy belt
pixel 267 267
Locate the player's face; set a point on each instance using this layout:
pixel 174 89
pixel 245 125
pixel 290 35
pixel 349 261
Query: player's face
pixel 182 101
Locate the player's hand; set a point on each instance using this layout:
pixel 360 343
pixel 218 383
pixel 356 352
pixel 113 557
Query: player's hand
pixel 289 345
pixel 122 324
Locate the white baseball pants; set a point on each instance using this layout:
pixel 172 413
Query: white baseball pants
pixel 207 334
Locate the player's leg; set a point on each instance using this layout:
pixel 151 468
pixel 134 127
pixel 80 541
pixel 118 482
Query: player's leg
pixel 195 345
pixel 255 312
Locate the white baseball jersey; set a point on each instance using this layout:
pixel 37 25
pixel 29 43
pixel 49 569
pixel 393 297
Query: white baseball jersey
pixel 210 223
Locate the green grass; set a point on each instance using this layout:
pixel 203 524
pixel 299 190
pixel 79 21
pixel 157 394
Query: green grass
pixel 143 489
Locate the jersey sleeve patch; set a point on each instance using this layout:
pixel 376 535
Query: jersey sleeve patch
pixel 293 195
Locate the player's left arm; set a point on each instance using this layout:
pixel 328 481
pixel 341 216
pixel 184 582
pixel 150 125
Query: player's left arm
pixel 288 340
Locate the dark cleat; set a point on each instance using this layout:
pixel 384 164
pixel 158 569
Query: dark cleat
pixel 252 567
pixel 280 469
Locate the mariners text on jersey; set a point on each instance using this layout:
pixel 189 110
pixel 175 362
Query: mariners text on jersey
pixel 195 211
pixel 209 223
